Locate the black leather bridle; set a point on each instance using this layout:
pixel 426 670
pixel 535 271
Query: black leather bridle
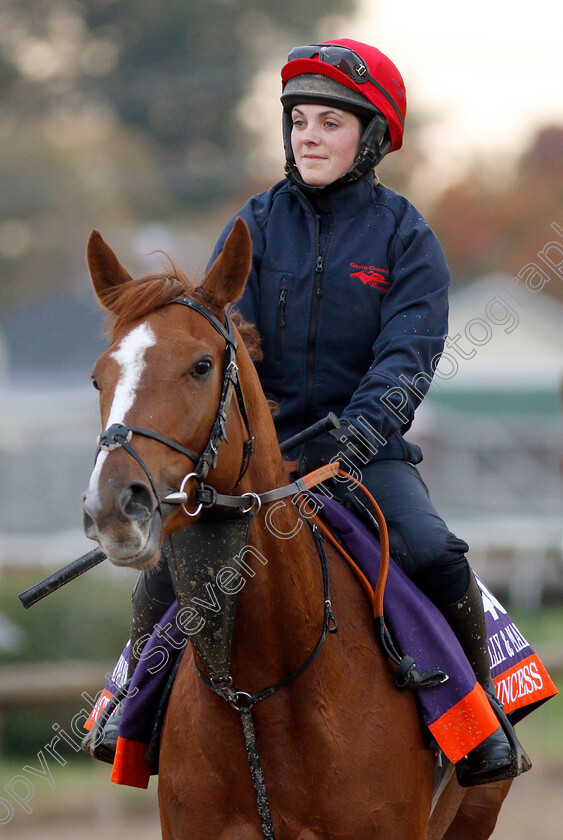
pixel 119 434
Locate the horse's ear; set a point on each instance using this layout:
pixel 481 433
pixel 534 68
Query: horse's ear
pixel 227 276
pixel 105 269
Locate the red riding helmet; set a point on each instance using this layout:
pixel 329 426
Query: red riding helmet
pixel 367 80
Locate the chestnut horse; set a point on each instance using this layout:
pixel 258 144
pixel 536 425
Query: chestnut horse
pixel 342 750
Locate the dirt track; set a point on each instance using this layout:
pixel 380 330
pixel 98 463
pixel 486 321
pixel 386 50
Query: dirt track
pixel 533 811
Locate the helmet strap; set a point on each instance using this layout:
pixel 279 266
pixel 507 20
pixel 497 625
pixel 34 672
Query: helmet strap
pixel 287 126
pixel 374 145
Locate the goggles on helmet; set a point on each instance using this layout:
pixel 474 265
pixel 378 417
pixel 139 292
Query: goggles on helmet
pixel 348 62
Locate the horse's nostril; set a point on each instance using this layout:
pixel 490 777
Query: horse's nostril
pixel 89 524
pixel 138 502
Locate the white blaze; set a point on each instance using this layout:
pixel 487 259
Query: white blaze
pixel 130 356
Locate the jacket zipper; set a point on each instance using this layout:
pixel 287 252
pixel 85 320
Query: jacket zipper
pixel 314 319
pixel 280 323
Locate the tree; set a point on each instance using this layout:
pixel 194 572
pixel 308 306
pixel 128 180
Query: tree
pixel 174 71
pixel 114 112
pixel 486 226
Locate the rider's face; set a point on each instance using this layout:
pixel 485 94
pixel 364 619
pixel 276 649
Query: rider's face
pixel 325 142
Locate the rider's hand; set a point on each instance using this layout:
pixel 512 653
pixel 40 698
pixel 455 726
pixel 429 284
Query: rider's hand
pixel 316 453
pixel 340 443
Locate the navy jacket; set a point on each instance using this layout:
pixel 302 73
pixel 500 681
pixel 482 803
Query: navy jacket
pixel 351 303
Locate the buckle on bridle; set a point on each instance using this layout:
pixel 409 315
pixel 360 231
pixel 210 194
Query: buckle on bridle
pixel 206 495
pixel 114 437
pixel 231 372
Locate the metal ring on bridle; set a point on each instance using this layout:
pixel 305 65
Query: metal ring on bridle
pixel 185 480
pixel 242 696
pixel 255 503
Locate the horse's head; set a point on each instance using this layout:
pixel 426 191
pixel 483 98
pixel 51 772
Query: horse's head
pixel 161 384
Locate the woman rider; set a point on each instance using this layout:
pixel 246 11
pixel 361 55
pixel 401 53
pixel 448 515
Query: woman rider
pixel 349 291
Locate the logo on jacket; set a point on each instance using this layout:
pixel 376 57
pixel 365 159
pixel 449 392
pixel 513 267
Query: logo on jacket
pixel 372 276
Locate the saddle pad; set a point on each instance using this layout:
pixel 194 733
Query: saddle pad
pixel 521 680
pixel 457 713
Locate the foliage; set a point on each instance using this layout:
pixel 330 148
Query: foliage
pixel 118 112
pixel 174 72
pixel 486 226
pixel 114 112
pixel 86 619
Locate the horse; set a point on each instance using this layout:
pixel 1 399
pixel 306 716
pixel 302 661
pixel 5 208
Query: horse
pixel 341 753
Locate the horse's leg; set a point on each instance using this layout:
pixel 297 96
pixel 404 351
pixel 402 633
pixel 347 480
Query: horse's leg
pixel 445 811
pixel 478 812
pixel 468 813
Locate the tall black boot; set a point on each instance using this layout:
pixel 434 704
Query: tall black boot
pixel 500 756
pixel 149 602
pixel 101 740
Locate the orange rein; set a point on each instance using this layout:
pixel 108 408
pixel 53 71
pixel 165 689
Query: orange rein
pixel 376 595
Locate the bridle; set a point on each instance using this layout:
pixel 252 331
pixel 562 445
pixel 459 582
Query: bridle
pixel 120 435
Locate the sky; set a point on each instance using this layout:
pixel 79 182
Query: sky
pixel 491 71
pixel 485 75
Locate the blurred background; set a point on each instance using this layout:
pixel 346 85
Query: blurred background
pixel 153 123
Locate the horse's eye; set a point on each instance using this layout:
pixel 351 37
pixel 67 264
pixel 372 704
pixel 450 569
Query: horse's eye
pixel 95 382
pixel 201 368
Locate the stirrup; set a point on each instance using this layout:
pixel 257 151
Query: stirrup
pixel 519 760
pixel 101 741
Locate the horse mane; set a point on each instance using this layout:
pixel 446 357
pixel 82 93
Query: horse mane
pixel 135 298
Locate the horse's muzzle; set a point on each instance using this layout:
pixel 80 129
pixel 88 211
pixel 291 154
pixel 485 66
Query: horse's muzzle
pixel 126 523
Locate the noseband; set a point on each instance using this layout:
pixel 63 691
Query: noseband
pixel 119 435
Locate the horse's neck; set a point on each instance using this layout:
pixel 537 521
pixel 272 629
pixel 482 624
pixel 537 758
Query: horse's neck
pixel 280 608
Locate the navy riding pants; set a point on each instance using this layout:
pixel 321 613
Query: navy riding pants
pixel 419 539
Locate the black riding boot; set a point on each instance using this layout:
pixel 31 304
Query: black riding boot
pixel 101 740
pixel 500 756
